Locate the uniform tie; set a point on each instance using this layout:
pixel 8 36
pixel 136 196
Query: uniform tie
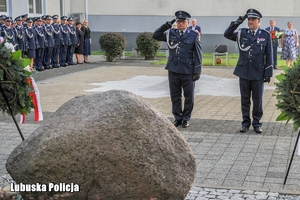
pixel 181 32
pixel 253 33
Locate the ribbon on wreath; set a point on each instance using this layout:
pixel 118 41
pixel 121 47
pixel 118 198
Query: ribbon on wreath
pixel 35 96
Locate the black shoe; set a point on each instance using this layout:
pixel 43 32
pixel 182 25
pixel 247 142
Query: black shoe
pixel 244 129
pixel 257 129
pixel 177 123
pixel 86 62
pixel 39 69
pixel 185 124
pixel 79 63
pixel 66 64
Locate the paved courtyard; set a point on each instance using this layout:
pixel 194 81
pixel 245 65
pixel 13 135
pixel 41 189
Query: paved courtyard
pixel 226 159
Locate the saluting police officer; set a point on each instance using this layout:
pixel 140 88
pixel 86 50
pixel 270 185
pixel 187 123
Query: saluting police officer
pixel 20 34
pixel 57 41
pixel 65 41
pixel 254 67
pixel 184 64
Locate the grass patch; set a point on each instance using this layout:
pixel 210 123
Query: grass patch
pixel 207 59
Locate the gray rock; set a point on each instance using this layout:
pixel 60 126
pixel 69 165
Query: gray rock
pixel 113 145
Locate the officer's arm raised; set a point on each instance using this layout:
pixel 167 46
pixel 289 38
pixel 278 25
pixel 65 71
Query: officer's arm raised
pixel 159 33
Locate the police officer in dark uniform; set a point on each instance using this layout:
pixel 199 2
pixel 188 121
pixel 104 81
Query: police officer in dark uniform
pixel 65 41
pixel 57 41
pixel 20 34
pixel 184 64
pixel 2 22
pixel 24 18
pixel 50 42
pixel 31 41
pixel 73 39
pixel 8 32
pixel 254 67
pixel 42 43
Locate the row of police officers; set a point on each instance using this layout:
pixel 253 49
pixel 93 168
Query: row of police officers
pixel 48 43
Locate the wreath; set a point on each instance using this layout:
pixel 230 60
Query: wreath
pixel 288 94
pixel 13 80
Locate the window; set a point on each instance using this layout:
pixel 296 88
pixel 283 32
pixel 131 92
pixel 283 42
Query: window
pixel 35 6
pixel 3 6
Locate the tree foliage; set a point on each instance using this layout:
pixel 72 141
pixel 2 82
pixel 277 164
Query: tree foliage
pixel 147 45
pixel 113 44
pixel 288 94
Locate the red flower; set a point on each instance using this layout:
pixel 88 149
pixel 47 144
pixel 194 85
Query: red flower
pixel 273 35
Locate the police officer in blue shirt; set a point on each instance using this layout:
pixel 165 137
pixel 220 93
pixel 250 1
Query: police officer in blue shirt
pixel 65 35
pixel 184 64
pixel 254 66
pixel 48 31
pixel 57 41
pixel 20 34
pixel 73 39
pixel 7 31
pixel 41 44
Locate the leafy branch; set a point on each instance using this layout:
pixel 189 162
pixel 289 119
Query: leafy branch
pixel 288 94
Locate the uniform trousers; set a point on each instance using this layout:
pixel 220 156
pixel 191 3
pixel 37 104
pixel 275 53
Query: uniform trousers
pixel 275 55
pixel 254 88
pixel 63 54
pixel 70 53
pixel 47 57
pixel 55 55
pixel 39 58
pixel 177 83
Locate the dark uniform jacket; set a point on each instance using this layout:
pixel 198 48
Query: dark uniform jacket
pixel 65 35
pixel 9 33
pixel 72 34
pixel 40 34
pixel 31 38
pixel 20 37
pixel 256 53
pixel 56 34
pixel 49 35
pixel 186 57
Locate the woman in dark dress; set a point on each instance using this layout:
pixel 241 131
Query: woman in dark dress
pixel 87 40
pixel 79 50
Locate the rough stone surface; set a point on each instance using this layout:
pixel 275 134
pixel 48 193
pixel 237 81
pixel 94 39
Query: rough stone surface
pixel 113 144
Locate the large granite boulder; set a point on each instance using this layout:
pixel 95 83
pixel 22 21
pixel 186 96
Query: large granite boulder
pixel 111 145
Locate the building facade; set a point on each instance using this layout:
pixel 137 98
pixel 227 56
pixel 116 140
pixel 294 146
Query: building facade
pixel 132 17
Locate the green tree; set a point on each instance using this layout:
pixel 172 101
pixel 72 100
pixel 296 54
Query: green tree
pixel 147 45
pixel 113 44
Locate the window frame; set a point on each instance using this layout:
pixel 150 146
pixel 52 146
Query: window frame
pixel 7 9
pixel 34 7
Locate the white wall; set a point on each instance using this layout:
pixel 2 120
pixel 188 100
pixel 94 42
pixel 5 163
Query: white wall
pixel 194 7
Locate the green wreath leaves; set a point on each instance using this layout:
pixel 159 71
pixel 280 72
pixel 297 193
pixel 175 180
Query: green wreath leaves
pixel 13 80
pixel 288 94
